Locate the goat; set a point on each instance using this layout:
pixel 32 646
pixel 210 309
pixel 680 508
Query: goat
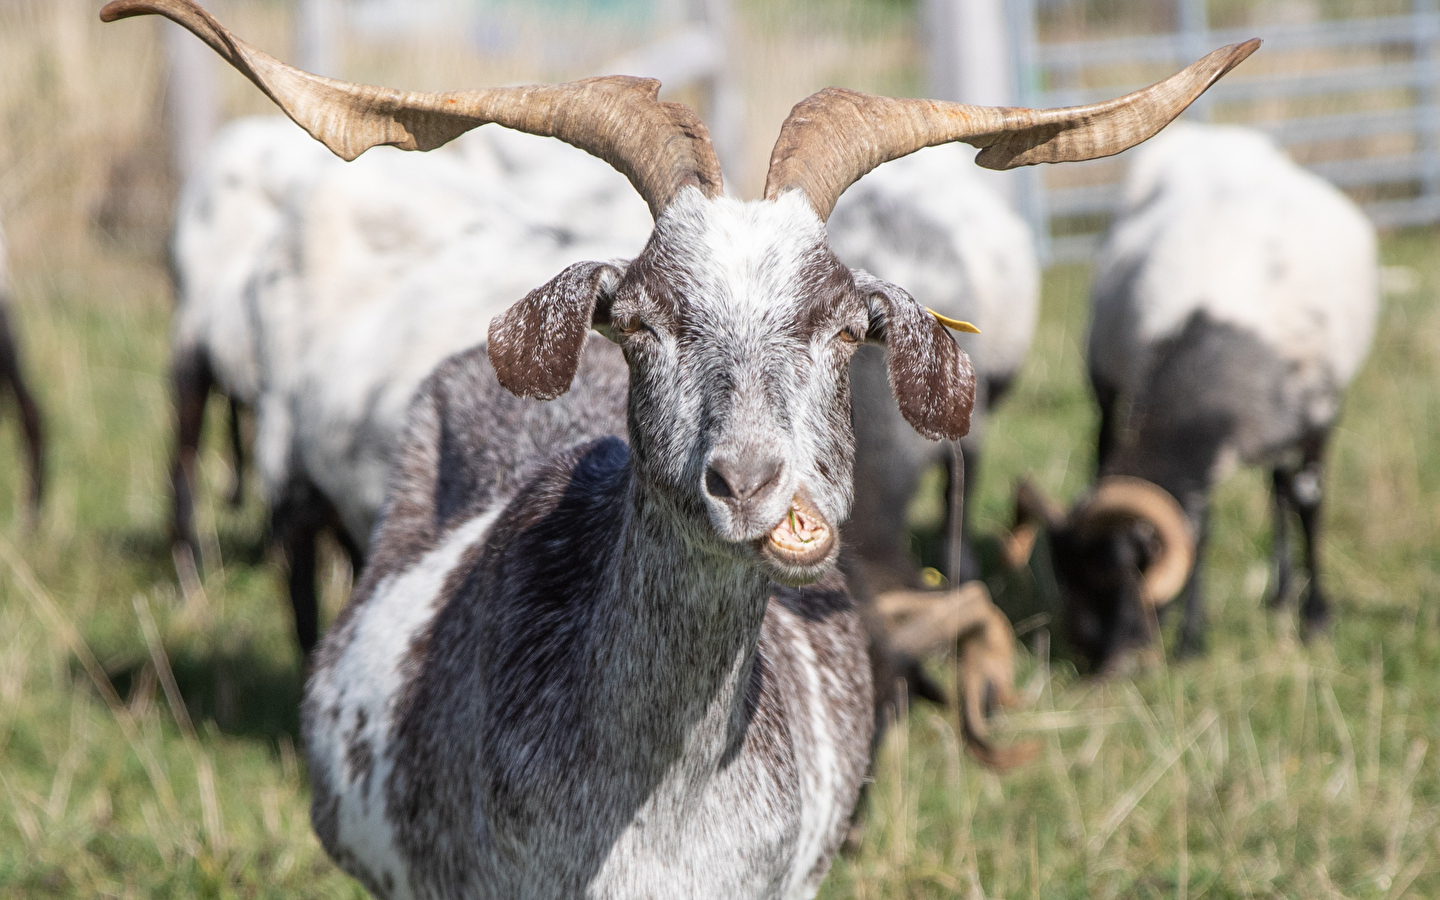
pixel 580 663
pixel 11 376
pixel 928 221
pixel 1235 299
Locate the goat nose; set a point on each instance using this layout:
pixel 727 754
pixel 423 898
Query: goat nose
pixel 741 478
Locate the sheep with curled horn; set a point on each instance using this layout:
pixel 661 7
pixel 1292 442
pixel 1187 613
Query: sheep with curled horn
pixel 1233 302
pixel 600 647
pixel 12 377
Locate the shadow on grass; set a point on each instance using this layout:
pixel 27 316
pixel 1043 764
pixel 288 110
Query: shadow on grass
pixel 151 547
pixel 247 691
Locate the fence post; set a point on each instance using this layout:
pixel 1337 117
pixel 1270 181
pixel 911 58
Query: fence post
pixel 319 34
pixel 970 60
pixel 191 104
pixel 1029 191
pixel 1194 22
pixel 1427 51
pixel 724 96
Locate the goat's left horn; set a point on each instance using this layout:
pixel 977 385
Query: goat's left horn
pixel 660 147
pixel 834 137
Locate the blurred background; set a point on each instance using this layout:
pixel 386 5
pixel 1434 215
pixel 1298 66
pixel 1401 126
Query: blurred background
pixel 147 735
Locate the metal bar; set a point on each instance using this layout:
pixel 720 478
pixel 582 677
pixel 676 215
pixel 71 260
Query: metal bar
pixel 1400 213
pixel 1375 169
pixel 1333 81
pixel 1427 48
pixel 1350 125
pixel 1194 16
pixel 1171 48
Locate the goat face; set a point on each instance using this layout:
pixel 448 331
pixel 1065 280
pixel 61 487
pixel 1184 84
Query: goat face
pixel 738 324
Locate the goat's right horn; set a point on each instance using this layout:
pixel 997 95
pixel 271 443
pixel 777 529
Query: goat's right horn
pixel 660 147
pixel 834 137
pixel 1118 499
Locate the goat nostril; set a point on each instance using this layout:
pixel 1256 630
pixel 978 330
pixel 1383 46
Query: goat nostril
pixel 716 485
pixel 740 480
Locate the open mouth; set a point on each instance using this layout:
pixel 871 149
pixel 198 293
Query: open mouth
pixel 802 538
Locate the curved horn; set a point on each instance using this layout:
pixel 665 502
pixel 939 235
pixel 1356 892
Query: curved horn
pixel 833 138
pixel 660 147
pixel 1119 499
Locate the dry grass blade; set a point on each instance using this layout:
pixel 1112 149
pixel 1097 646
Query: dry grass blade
pixel 204 768
pixel 48 613
pixel 1128 801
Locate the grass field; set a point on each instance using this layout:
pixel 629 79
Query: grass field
pixel 148 737
pixel 147 740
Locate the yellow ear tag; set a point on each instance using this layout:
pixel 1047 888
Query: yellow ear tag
pixel 953 324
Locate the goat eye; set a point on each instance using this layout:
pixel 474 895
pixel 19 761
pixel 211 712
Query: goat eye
pixel 850 336
pixel 629 325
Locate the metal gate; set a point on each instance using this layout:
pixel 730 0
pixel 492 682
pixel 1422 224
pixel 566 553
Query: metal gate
pixel 1355 99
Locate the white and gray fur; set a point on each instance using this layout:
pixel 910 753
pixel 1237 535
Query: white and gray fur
pixel 1234 301
pixel 570 668
pixel 931 222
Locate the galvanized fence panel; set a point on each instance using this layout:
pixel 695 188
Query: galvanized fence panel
pixel 1397 184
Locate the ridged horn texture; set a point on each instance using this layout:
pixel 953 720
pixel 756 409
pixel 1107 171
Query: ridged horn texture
pixel 660 147
pixel 1118 499
pixel 834 137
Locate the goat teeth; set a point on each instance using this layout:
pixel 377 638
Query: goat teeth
pixel 797 531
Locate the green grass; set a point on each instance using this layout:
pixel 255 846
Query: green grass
pixel 1267 769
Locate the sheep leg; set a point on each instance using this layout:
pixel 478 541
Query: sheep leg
pixel 191 381
pixel 29 413
pixel 1105 397
pixel 237 456
pixel 1280 509
pixel 296 523
pixel 1194 626
pixel 1307 494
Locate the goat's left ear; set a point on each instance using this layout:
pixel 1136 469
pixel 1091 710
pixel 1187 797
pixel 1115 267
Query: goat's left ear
pixel 931 377
pixel 535 345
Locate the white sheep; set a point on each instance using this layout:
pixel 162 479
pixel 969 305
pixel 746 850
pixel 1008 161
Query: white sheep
pixel 227 214
pixel 1234 301
pixel 931 222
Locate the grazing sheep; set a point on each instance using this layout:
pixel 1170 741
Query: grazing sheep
pixel 10 376
pixel 586 664
pixel 1234 301
pixel 930 222
pixel 226 216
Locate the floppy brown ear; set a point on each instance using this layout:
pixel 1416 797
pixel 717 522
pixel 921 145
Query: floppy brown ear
pixel 931 377
pixel 535 345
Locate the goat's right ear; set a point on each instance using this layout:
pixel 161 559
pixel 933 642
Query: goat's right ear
pixel 931 377
pixel 535 345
